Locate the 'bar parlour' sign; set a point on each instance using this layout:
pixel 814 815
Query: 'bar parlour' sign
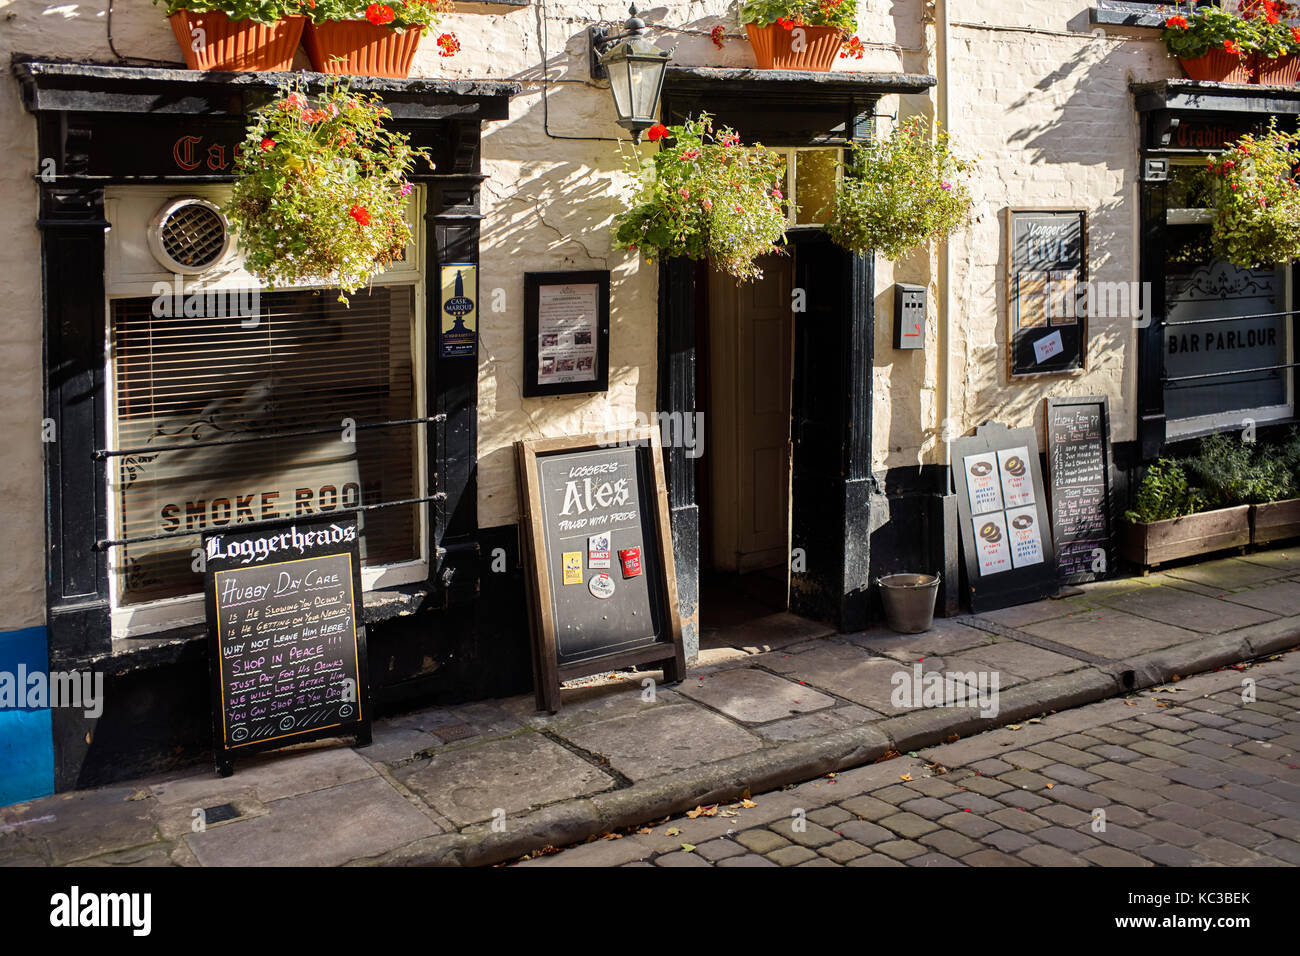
pixel 287 649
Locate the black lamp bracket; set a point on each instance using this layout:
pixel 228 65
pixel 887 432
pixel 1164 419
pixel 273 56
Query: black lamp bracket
pixel 601 41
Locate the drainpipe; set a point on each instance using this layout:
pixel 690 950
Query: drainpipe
pixel 942 114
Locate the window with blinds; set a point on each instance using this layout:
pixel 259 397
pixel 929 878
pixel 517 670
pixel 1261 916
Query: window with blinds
pixel 307 363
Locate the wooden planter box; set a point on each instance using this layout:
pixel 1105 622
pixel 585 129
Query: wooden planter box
pixel 1275 521
pixel 1159 541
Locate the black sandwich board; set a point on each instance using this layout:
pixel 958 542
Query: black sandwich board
pixel 1078 470
pixel 602 584
pixel 287 647
pixel 1005 523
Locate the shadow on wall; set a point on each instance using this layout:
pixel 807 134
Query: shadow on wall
pixel 26 735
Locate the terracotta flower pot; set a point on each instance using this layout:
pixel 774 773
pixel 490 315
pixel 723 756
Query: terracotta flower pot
pixel 239 46
pixel 1277 71
pixel 1217 66
pixel 359 48
pixel 773 47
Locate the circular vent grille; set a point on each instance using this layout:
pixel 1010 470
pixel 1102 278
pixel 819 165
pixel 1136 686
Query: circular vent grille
pixel 188 235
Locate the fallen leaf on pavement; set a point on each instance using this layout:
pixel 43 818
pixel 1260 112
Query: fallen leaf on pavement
pixel 905 777
pixel 710 811
pixel 688 847
pixel 645 831
pixel 672 831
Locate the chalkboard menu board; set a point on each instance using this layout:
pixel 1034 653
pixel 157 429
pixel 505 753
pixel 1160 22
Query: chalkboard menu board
pixel 1005 525
pixel 1078 467
pixel 288 652
pixel 603 587
pixel 1047 301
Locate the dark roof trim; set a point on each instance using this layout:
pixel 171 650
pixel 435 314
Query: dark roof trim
pixel 802 84
pixel 65 86
pixel 1215 97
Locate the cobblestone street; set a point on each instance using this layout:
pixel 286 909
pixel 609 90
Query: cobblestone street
pixel 1189 774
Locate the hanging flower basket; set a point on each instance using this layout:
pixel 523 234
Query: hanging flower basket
pixel 321 189
pixel 238 46
pixel 1217 66
pixel 359 48
pixel 774 47
pixel 1277 71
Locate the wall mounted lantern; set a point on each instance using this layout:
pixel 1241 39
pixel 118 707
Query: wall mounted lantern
pixel 635 68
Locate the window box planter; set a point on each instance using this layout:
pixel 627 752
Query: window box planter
pixel 1156 542
pixel 360 48
pixel 237 46
pixel 1277 71
pixel 1275 521
pixel 1217 66
pixel 773 47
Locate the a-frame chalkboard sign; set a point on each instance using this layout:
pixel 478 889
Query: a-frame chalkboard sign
pixel 602 586
pixel 1078 472
pixel 287 648
pixel 1005 523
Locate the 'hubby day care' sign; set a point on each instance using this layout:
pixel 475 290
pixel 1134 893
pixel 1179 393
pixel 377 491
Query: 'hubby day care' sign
pixel 288 653
pixel 1005 524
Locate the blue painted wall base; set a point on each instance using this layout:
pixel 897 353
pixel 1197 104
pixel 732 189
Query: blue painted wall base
pixel 26 734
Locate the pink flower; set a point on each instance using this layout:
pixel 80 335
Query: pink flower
pixel 406 188
pixel 684 193
pixel 706 203
pixel 777 194
pixel 946 186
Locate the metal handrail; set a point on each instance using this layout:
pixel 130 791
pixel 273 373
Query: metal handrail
pixel 1235 371
pixel 105 543
pixel 1232 318
pixel 105 453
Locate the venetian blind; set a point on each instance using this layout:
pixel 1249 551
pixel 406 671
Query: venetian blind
pixel 302 362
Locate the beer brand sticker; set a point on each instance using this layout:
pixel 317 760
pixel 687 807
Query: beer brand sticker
pixel 1026 542
pixel 982 482
pixel 598 550
pixel 1017 482
pixel 601 585
pixel 992 549
pixel 630 558
pixel 572 567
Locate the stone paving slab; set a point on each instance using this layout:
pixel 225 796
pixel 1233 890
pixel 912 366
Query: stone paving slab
pixel 323 828
pixel 469 784
pixel 663 739
pixel 753 696
pixel 1111 633
pixel 1282 597
pixel 1229 573
pixel 1193 612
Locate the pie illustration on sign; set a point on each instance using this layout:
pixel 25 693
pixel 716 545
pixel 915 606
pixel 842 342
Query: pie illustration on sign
pixel 1015 466
pixel 1022 522
pixel 980 469
pixel 990 532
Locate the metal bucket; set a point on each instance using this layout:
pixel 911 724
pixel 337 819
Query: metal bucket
pixel 909 601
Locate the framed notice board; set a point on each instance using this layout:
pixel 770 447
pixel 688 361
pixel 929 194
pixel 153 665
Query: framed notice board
pixel 1005 523
pixel 287 648
pixel 1047 276
pixel 1078 471
pixel 566 332
pixel 603 591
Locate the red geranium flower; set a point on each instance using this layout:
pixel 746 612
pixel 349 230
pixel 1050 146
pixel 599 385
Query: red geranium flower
pixel 1179 21
pixel 716 36
pixel 448 45
pixel 268 143
pixel 360 214
pixel 1232 47
pixel 657 132
pixel 379 14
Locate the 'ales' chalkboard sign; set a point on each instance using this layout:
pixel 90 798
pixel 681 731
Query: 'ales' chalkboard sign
pixel 1005 524
pixel 603 588
pixel 288 652
pixel 1078 467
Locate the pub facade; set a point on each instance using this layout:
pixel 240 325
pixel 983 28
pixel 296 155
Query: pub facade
pixel 803 448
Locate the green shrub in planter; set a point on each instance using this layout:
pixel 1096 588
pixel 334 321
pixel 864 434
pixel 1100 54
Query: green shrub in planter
pixel 1232 472
pixel 1165 493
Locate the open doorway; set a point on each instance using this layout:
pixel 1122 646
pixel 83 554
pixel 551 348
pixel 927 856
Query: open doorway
pixel 745 344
